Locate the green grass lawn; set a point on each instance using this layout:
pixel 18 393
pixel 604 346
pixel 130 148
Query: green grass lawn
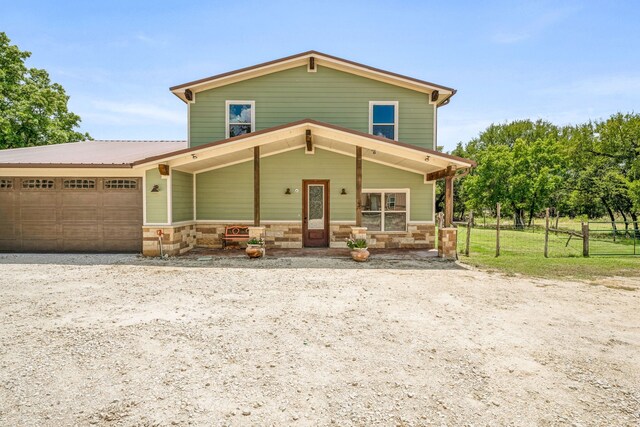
pixel 523 252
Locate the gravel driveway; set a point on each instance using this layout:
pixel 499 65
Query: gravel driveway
pixel 118 340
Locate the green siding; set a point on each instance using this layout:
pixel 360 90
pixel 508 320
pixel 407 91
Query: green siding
pixel 377 176
pixel 328 95
pixel 227 193
pixel 156 202
pixel 182 196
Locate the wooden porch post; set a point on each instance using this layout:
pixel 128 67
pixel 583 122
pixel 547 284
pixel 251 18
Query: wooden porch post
pixel 256 186
pixel 448 200
pixel 358 186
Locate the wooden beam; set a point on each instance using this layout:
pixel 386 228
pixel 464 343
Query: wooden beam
pixel 312 63
pixel 358 186
pixel 448 201
pixel 256 186
pixel 188 94
pixel 442 173
pixel 309 140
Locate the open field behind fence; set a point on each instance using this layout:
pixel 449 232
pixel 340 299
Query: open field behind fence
pixel 565 237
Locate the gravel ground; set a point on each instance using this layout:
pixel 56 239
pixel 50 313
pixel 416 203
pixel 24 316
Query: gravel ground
pixel 117 340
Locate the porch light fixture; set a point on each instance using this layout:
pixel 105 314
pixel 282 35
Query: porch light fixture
pixel 193 156
pixel 155 189
pixel 287 191
pixel 344 192
pixel 426 159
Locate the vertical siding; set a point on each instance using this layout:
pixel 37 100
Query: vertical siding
pixel 182 195
pixel 156 202
pixel 227 193
pixel 328 95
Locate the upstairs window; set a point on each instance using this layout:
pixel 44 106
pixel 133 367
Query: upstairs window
pixel 383 119
pixel 240 117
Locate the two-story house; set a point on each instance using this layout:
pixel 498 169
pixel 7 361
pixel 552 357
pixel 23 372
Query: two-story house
pixel 302 149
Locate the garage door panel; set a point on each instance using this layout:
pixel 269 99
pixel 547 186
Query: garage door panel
pixel 79 213
pixel 38 198
pixel 122 198
pixel 80 231
pixel 71 219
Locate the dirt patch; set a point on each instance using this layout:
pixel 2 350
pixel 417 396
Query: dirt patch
pixel 118 340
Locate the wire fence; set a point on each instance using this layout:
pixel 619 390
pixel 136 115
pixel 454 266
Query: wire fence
pixel 546 236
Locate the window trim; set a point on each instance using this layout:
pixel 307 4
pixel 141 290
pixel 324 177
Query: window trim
pixel 227 103
pixel 10 184
pixel 407 211
pixel 81 188
pixel 396 104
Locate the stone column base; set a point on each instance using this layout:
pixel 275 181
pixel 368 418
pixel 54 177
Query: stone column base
pixel 175 240
pixel 448 243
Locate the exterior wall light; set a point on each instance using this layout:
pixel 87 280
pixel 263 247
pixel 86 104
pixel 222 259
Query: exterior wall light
pixel 155 189
pixel 344 191
pixel 287 191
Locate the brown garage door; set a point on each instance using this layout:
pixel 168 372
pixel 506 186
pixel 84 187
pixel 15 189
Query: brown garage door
pixel 40 214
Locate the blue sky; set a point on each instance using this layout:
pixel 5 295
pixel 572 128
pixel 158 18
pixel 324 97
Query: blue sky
pixel 566 62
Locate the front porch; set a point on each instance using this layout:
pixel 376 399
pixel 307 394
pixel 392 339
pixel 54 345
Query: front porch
pixel 306 184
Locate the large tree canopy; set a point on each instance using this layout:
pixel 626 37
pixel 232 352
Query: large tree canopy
pixel 33 110
pixel 590 169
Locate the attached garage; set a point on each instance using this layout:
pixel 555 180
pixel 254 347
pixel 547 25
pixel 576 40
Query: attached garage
pixel 79 214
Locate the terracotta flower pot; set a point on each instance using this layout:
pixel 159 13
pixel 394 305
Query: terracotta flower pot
pixel 254 251
pixel 360 254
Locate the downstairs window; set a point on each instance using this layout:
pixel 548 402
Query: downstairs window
pixel 384 210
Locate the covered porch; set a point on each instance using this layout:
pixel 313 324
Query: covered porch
pixel 305 184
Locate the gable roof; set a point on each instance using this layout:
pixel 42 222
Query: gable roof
pixel 292 135
pixel 321 59
pixel 101 153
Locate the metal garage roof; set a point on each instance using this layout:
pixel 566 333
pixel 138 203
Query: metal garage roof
pixel 99 152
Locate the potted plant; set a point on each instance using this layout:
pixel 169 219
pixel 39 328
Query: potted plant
pixel 359 249
pixel 255 248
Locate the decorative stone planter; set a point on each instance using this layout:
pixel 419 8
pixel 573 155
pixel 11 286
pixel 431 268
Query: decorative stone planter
pixel 255 251
pixel 360 254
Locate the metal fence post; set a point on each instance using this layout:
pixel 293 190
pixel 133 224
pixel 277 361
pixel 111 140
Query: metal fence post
pixel 498 229
pixel 546 234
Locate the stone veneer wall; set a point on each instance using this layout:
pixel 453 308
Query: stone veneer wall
pixel 448 243
pixel 285 235
pixel 289 235
pixel 418 236
pixel 176 240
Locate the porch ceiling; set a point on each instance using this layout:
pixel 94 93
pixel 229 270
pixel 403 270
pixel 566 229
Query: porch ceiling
pixel 324 136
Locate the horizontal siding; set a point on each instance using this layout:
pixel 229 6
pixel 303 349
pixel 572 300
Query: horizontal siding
pixel 182 195
pixel 328 95
pixel 156 202
pixel 227 193
pixel 421 201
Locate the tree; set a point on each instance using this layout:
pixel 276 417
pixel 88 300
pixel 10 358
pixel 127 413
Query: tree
pixel 33 110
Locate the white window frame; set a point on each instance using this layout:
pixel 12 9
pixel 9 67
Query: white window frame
pixel 396 104
pixel 226 115
pixel 383 192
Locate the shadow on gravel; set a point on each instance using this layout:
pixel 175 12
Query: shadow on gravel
pixel 400 260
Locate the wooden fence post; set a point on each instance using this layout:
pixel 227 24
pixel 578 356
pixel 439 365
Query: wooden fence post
pixel 469 224
pixel 498 229
pixel 546 234
pixel 585 239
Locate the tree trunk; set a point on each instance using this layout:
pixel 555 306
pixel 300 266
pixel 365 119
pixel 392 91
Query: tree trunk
pixel 518 218
pixel 626 224
pixel 611 215
pixel 636 230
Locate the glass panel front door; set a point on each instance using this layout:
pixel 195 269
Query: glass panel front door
pixel 316 206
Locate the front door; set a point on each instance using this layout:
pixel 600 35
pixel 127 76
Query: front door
pixel 315 213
